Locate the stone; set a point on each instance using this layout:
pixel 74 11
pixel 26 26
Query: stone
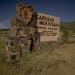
pixel 23 33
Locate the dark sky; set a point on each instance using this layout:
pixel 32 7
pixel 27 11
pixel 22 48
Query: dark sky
pixel 65 9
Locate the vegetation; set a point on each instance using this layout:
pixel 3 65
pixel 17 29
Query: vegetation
pixel 48 60
pixel 68 29
pixel 68 26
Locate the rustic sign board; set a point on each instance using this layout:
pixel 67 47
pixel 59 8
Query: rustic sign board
pixel 48 27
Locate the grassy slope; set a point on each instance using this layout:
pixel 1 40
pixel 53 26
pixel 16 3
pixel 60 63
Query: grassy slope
pixel 68 26
pixel 60 61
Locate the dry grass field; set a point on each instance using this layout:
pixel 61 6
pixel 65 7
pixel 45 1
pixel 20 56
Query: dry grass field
pixel 59 61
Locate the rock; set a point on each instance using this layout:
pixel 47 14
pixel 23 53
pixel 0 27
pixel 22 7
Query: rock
pixel 23 33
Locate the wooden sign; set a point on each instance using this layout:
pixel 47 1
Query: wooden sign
pixel 48 27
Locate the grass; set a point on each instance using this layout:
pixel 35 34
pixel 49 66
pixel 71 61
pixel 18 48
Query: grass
pixel 3 35
pixel 48 61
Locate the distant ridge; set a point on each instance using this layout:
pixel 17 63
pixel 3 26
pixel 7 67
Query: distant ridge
pixel 4 26
pixel 68 25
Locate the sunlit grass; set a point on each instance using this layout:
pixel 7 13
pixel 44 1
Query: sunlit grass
pixel 46 61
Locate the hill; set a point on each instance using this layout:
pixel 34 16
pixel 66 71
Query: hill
pixel 4 25
pixel 68 25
